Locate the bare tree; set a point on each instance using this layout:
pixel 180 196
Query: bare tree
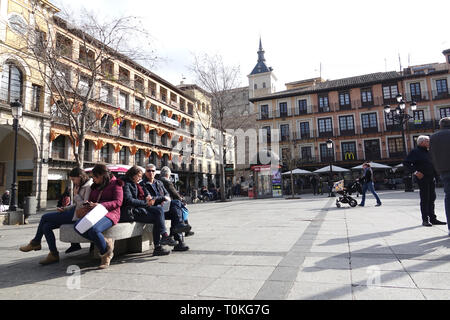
pixel 217 78
pixel 75 83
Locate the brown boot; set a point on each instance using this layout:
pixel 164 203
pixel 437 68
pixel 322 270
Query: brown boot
pixel 110 243
pixel 52 257
pixel 106 258
pixel 31 246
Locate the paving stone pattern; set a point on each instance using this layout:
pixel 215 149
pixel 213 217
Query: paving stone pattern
pixel 256 249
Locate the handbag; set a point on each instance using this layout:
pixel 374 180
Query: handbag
pixel 127 215
pixel 81 212
pixel 185 212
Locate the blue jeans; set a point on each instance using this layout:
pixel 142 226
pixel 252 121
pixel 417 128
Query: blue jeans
pixel 446 180
pixel 95 233
pixel 154 215
pixel 50 221
pixel 369 186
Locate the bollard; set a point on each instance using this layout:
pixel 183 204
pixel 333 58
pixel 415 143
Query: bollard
pixel 30 206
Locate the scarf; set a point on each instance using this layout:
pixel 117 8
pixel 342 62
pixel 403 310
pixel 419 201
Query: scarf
pixel 141 194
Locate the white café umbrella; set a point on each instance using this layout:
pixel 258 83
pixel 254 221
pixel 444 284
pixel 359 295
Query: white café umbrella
pixel 374 165
pixel 297 171
pixel 333 169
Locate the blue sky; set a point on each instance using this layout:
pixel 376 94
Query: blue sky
pixel 346 37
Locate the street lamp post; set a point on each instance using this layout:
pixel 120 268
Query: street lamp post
pixel 16 110
pixel 330 149
pixel 400 116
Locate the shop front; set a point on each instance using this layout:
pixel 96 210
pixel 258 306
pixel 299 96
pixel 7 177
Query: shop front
pixel 266 181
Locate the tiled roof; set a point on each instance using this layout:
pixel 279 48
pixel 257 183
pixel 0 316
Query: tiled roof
pixel 260 68
pixel 337 84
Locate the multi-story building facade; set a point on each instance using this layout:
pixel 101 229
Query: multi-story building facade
pixel 21 81
pixel 351 113
pixel 156 116
pixel 206 149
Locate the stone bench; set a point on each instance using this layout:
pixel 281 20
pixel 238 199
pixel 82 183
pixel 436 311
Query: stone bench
pixel 134 237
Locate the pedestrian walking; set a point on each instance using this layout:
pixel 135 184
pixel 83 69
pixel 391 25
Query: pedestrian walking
pixel 314 184
pixel 419 162
pixel 367 180
pixel 440 154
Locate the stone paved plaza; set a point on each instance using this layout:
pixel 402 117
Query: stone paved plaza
pixel 257 249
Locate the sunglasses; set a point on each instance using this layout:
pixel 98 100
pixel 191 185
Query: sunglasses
pixel 151 170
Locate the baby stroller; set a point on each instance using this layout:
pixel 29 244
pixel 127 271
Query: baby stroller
pixel 345 193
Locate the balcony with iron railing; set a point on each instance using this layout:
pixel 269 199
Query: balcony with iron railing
pixel 417 97
pixel 349 158
pixel 439 95
pixel 421 125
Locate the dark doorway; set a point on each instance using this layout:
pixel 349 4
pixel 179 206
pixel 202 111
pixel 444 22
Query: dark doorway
pixel 372 150
pixel 24 190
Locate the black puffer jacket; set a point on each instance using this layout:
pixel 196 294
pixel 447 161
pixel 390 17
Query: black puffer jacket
pixel 367 177
pixel 130 198
pixel 419 159
pixel 440 150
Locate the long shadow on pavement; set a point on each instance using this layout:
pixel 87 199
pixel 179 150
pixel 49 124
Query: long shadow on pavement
pixel 28 270
pixel 423 246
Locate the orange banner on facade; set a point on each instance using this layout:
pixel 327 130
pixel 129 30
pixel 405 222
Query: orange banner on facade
pixel 99 144
pixel 53 135
pixel 98 114
pixel 117 147
pixel 133 150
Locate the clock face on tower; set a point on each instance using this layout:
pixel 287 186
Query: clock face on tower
pixel 17 23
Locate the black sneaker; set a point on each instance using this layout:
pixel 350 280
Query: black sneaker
pixel 181 247
pixel 188 234
pixel 181 228
pixel 437 222
pixel 167 241
pixel 73 247
pixel 160 251
pixel 426 224
pixel 378 204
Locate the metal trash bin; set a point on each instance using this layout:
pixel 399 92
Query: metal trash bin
pixel 30 206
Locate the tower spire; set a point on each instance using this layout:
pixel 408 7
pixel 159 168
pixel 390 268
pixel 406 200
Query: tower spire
pixel 261 52
pixel 261 66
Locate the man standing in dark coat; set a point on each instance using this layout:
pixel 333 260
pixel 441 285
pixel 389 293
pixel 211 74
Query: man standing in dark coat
pixel 419 163
pixel 440 153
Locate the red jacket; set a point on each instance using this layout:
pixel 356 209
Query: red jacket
pixel 111 199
